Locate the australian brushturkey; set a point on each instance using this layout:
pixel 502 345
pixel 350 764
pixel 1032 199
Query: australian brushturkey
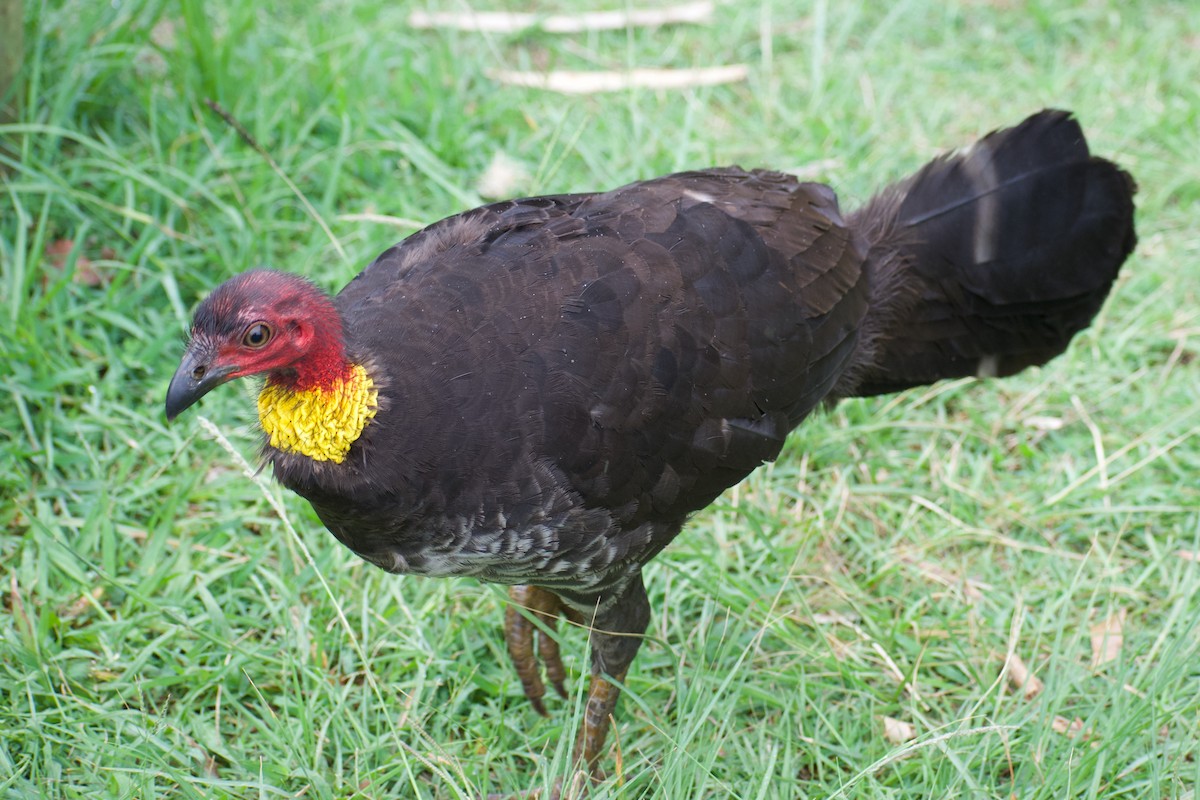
pixel 539 392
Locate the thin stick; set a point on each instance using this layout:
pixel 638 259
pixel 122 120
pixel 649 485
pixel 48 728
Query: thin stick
pixel 220 111
pixel 595 81
pixel 698 13
pixel 1097 445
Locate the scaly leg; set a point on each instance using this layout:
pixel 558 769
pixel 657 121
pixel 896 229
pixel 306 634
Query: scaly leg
pixel 617 632
pixel 520 633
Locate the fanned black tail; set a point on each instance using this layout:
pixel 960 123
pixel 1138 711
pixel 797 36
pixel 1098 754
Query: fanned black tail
pixel 988 261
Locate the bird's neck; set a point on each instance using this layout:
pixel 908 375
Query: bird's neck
pixel 319 418
pixel 324 363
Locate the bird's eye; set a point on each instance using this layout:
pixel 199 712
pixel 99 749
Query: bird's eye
pixel 257 335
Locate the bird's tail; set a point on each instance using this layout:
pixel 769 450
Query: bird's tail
pixel 989 260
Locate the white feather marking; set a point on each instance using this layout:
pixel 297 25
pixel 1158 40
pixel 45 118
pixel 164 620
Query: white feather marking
pixel 989 367
pixel 981 168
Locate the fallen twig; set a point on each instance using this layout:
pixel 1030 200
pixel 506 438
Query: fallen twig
pixel 697 13
pixel 593 81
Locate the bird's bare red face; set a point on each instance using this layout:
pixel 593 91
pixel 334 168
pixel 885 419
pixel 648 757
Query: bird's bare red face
pixel 260 322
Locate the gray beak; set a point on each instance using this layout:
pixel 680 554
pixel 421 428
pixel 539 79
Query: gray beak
pixel 195 378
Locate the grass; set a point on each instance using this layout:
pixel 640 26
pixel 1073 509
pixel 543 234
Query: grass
pixel 172 628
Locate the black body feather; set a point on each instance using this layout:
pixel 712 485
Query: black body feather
pixel 564 379
pixel 567 378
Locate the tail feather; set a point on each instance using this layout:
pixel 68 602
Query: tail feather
pixel 990 260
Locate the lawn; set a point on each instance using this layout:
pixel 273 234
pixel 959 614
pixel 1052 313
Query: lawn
pixel 978 589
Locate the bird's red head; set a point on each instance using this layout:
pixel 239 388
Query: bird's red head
pixel 261 322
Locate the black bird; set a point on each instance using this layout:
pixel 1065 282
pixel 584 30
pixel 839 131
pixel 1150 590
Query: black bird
pixel 539 392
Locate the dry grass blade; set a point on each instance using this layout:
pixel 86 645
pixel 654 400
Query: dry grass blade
pixel 911 747
pixel 17 604
pixel 1157 452
pixel 699 13
pixel 595 81
pixel 82 604
pixel 972 590
pixel 382 219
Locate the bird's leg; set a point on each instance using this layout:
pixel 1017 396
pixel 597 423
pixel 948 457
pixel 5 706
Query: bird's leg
pixel 617 627
pixel 520 632
pixel 617 631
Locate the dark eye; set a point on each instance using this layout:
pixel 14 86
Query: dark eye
pixel 257 335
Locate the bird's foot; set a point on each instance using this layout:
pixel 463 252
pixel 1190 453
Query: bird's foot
pixel 597 718
pixel 520 631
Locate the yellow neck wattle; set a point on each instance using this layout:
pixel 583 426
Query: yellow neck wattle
pixel 321 422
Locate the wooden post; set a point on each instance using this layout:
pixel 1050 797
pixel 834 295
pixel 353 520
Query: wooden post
pixel 12 51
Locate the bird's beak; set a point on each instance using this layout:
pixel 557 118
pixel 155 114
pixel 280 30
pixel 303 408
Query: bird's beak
pixel 196 377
